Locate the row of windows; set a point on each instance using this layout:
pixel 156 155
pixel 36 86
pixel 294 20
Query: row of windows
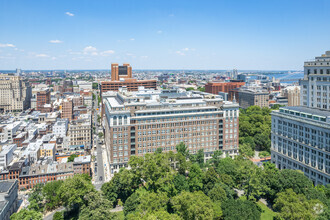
pixel 174 143
pixel 180 130
pixel 283 163
pixel 303 154
pixel 318 71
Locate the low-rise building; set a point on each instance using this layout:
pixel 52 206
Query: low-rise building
pixel 82 164
pixel 35 174
pixel 8 198
pixel 60 127
pixel 47 150
pixel 6 155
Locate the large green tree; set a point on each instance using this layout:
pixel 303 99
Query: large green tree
pixel 240 210
pixel 195 178
pixel 295 206
pixel 73 190
pixel 36 198
pixel 51 194
pixel 26 214
pixel 195 205
pixel 96 207
pixel 121 186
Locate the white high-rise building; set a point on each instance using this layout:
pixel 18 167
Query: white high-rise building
pixel 301 134
pixel 315 85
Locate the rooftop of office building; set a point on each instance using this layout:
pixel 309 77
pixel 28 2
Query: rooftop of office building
pixel 308 113
pixel 157 99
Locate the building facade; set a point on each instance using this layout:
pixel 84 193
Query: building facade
pixel 249 97
pixel 80 133
pixel 15 94
pixel 121 76
pixel 43 97
pixel 301 135
pixel 120 72
pixel 301 140
pixel 315 85
pixel 227 87
pixel 139 123
pixel 292 93
pixel 67 109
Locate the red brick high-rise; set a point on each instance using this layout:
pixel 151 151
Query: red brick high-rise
pixel 122 76
pixel 228 87
pixel 43 97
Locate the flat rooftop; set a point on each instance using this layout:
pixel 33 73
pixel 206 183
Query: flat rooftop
pixel 312 111
pixel 6 185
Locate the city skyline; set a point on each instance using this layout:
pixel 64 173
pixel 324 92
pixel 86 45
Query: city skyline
pixel 253 35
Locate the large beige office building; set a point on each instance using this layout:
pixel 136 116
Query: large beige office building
pixel 139 122
pixel 80 133
pixel 15 94
pixel 249 97
pixel 292 93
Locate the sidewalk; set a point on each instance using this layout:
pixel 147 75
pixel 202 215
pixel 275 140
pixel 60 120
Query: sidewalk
pixel 106 164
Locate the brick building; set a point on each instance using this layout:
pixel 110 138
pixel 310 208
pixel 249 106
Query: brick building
pixel 67 109
pixel 43 97
pixel 121 76
pixel 137 123
pixel 227 87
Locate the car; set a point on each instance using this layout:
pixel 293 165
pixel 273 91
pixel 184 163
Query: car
pixel 100 178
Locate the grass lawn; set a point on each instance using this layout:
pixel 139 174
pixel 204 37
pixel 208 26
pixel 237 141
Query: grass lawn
pixel 268 214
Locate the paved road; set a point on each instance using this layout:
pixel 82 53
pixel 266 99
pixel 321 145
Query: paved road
pixel 99 177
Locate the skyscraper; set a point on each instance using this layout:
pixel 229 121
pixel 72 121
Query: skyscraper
pixel 301 134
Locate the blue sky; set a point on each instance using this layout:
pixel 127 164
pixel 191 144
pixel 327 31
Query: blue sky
pixel 155 34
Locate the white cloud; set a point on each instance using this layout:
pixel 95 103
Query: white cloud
pixel 107 52
pixel 55 41
pixel 171 15
pixel 7 45
pixel 90 50
pixel 144 57
pixel 180 53
pixel 54 58
pixel 132 39
pixel 70 14
pixel 159 32
pixel 42 55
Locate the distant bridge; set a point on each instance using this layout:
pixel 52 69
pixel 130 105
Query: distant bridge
pixel 289 80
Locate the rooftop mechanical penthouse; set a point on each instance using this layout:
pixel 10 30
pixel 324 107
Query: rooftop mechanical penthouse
pixel 139 122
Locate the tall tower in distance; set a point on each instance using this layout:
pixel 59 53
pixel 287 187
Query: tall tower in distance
pixel 120 72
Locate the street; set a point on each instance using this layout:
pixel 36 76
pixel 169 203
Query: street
pixel 99 175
